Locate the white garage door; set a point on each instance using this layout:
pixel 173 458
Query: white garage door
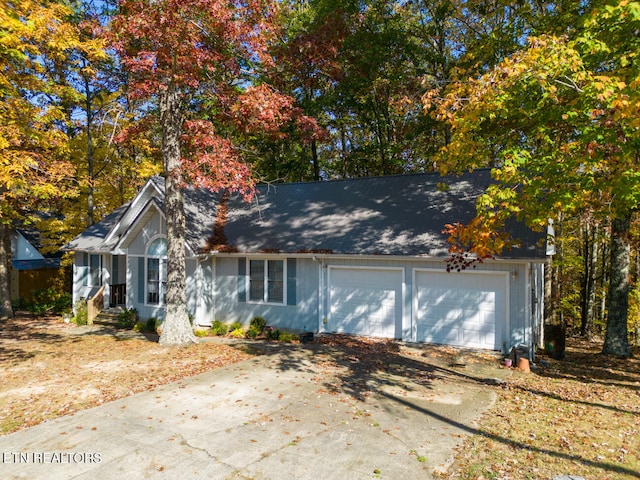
pixel 461 309
pixel 365 301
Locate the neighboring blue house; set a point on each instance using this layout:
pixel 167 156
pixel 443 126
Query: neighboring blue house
pixel 362 256
pixel 31 270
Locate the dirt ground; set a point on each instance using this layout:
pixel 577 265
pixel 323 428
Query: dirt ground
pixel 48 370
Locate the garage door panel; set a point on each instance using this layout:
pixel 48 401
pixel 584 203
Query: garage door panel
pixel 459 309
pixel 365 301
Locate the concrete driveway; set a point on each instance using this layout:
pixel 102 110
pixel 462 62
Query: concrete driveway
pixel 293 411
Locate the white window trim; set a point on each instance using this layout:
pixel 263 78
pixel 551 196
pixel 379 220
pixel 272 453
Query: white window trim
pixel 161 292
pixel 265 290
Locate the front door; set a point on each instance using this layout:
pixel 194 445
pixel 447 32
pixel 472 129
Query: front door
pixel 118 284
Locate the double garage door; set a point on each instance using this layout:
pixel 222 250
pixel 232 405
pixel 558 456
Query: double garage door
pixel 461 309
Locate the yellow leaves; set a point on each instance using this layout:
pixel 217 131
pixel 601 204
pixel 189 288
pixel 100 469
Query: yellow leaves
pixel 482 236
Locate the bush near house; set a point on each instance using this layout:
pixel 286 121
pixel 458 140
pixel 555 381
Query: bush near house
pixel 235 326
pixel 47 300
pixel 151 325
pixel 82 313
pixel 237 333
pixel 128 318
pixel 218 328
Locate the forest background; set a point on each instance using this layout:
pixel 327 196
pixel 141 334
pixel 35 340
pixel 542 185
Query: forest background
pixel 544 93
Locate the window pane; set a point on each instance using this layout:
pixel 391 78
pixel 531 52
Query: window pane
pixel 276 281
pixel 94 270
pixel 153 280
pixel 256 280
pixel 158 248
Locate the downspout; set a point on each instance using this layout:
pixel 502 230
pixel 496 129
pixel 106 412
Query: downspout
pixel 321 295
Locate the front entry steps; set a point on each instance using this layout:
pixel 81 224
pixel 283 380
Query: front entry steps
pixel 108 317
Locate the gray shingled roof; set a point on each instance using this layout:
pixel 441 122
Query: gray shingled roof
pixel 395 215
pixel 93 238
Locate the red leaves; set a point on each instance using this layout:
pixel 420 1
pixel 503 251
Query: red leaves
pixel 189 42
pixel 262 108
pixel 198 46
pixel 213 162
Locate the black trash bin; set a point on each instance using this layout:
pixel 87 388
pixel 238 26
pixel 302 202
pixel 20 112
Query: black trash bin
pixel 555 340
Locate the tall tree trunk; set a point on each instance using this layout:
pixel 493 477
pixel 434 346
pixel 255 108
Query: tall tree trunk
pixel 6 311
pixel 616 340
pixel 176 329
pixel 90 173
pixel 555 311
pixel 343 152
pixel 603 281
pixel 587 289
pixel 314 159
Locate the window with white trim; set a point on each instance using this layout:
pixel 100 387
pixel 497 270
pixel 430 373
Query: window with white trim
pixel 95 270
pixel 156 271
pixel 267 281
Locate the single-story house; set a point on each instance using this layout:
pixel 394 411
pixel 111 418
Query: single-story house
pixel 363 256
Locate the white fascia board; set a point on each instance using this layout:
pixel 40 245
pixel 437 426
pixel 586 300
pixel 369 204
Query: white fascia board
pixel 151 203
pixel 131 227
pixel 340 256
pixel 126 220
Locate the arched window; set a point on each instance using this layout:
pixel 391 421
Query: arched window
pixel 156 271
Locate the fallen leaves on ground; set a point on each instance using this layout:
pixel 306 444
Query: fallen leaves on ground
pixel 47 371
pixel 579 417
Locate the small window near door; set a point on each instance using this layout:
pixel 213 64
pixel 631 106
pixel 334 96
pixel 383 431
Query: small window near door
pixel 95 277
pixel 266 281
pixel 156 271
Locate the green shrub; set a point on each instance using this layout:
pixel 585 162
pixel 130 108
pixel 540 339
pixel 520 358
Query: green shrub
pixel 151 325
pixel 62 303
pixel 288 337
pixel 258 324
pixel 235 326
pixel 237 332
pixel 201 333
pixel 219 328
pixel 252 333
pixel 127 318
pixel 48 300
pixel 273 334
pixel 82 313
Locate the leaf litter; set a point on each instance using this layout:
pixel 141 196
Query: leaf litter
pixel 576 417
pixel 46 372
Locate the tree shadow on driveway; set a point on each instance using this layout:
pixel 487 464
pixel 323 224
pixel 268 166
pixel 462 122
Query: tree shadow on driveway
pixel 361 368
